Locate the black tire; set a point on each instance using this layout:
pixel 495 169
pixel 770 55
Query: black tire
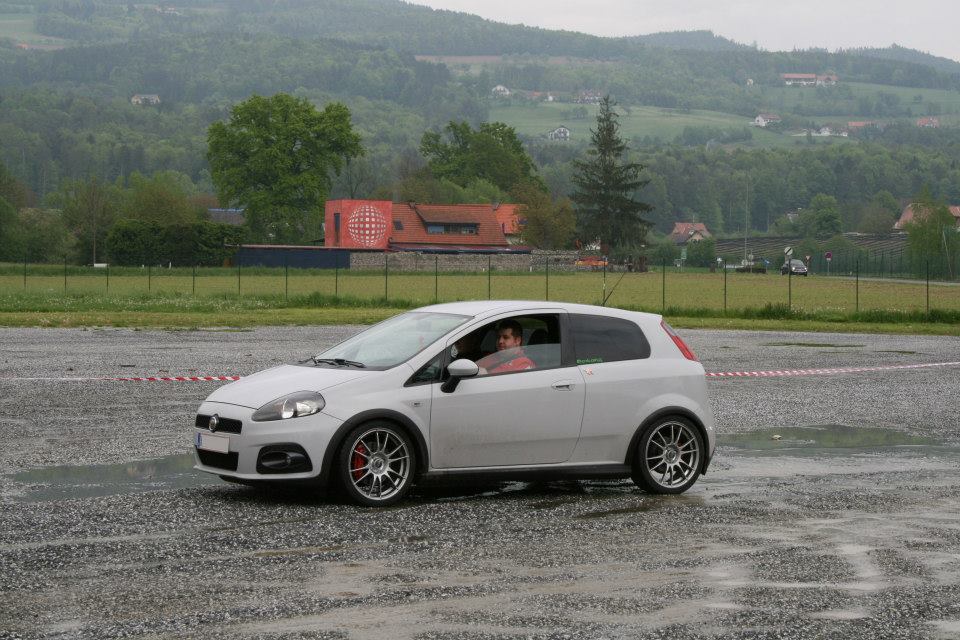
pixel 669 456
pixel 385 475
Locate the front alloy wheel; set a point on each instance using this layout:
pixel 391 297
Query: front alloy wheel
pixel 376 464
pixel 669 456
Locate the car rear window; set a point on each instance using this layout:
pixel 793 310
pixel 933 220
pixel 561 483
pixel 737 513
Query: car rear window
pixel 598 339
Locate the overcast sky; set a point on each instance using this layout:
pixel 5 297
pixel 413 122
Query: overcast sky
pixel 928 25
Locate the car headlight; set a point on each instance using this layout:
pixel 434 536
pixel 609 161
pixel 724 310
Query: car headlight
pixel 294 405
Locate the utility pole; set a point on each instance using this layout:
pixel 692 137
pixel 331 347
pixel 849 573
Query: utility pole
pixel 746 221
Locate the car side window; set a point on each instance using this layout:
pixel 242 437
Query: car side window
pixel 430 372
pixel 519 343
pixel 598 339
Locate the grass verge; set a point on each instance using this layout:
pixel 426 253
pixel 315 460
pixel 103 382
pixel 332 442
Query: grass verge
pixel 194 313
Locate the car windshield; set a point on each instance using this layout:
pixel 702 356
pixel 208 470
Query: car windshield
pixel 392 341
pixel 797 263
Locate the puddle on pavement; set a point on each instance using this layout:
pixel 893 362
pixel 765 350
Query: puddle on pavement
pixel 826 439
pixel 62 483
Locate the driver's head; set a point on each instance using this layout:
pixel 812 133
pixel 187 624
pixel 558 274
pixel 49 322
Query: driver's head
pixel 509 335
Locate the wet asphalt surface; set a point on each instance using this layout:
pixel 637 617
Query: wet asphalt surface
pixel 846 526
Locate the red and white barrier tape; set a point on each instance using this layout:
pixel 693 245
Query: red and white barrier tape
pixel 822 372
pixel 779 373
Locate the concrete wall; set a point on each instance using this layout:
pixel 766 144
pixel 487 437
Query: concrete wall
pixel 412 261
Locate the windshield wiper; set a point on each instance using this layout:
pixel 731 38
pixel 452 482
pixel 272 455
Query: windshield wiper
pixel 340 362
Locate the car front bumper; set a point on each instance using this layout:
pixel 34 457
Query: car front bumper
pixel 311 434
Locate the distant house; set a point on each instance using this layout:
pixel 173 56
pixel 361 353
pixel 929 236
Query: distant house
pixel 589 97
pixel 684 232
pixel 500 91
pixel 799 79
pixel 809 79
pixel 907 216
pixel 860 125
pixel 929 123
pixel 764 119
pixel 560 133
pixel 145 98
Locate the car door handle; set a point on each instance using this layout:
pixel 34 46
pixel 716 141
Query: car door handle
pixel 563 385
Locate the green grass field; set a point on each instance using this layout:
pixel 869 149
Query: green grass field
pixel 778 99
pixel 266 296
pixel 20 28
pixel 666 124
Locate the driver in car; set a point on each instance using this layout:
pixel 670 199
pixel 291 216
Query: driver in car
pixel 509 355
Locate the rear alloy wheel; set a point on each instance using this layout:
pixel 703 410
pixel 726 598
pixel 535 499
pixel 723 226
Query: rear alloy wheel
pixel 377 462
pixel 669 456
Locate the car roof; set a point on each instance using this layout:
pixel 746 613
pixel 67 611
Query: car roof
pixel 481 308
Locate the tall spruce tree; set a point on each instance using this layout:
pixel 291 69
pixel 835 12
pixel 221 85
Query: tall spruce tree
pixel 606 182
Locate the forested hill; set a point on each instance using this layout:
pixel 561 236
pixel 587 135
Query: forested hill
pixel 415 29
pixel 197 67
pixel 697 40
pixel 895 52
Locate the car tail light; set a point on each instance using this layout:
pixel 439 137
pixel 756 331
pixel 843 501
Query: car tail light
pixel 684 349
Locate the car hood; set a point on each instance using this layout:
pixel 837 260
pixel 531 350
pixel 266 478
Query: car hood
pixel 258 389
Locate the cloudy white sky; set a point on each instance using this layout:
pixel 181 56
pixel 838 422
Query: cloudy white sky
pixel 928 25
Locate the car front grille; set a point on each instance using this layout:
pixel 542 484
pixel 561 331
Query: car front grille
pixel 227 461
pixel 225 425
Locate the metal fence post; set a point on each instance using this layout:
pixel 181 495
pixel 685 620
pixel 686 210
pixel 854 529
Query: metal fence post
pixel 386 277
pixel 603 297
pixel 336 279
pixel 663 287
pixel 856 307
pixel 24 272
pixel 928 286
pixel 548 278
pixel 724 286
pixel 286 277
pixel 149 278
pixel 193 281
pixel 436 278
pixel 238 278
pixel 489 276
pixel 789 287
pixel 108 278
pixel 64 274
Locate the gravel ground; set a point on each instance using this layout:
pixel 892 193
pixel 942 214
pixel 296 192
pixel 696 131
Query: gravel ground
pixel 826 536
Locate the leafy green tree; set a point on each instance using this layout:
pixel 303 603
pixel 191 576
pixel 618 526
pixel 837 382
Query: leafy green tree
pixel 933 238
pixel 547 224
pixel 89 209
pixel 11 236
pixel 12 190
pixel 606 182
pixel 165 198
pixel 821 218
pixel 45 236
pixel 274 157
pixel 702 253
pixel 493 153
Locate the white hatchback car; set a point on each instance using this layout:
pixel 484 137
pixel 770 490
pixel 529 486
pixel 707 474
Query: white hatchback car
pixel 501 389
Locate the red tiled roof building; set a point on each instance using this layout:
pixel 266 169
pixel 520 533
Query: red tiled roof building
pixel 409 226
pixel 907 216
pixel 684 232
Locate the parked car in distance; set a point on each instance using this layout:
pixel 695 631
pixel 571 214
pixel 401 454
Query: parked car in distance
pixel 796 266
pixel 497 389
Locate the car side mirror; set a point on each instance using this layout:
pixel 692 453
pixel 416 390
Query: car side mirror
pixel 458 370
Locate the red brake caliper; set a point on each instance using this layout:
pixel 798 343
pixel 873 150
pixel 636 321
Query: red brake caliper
pixel 358 462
